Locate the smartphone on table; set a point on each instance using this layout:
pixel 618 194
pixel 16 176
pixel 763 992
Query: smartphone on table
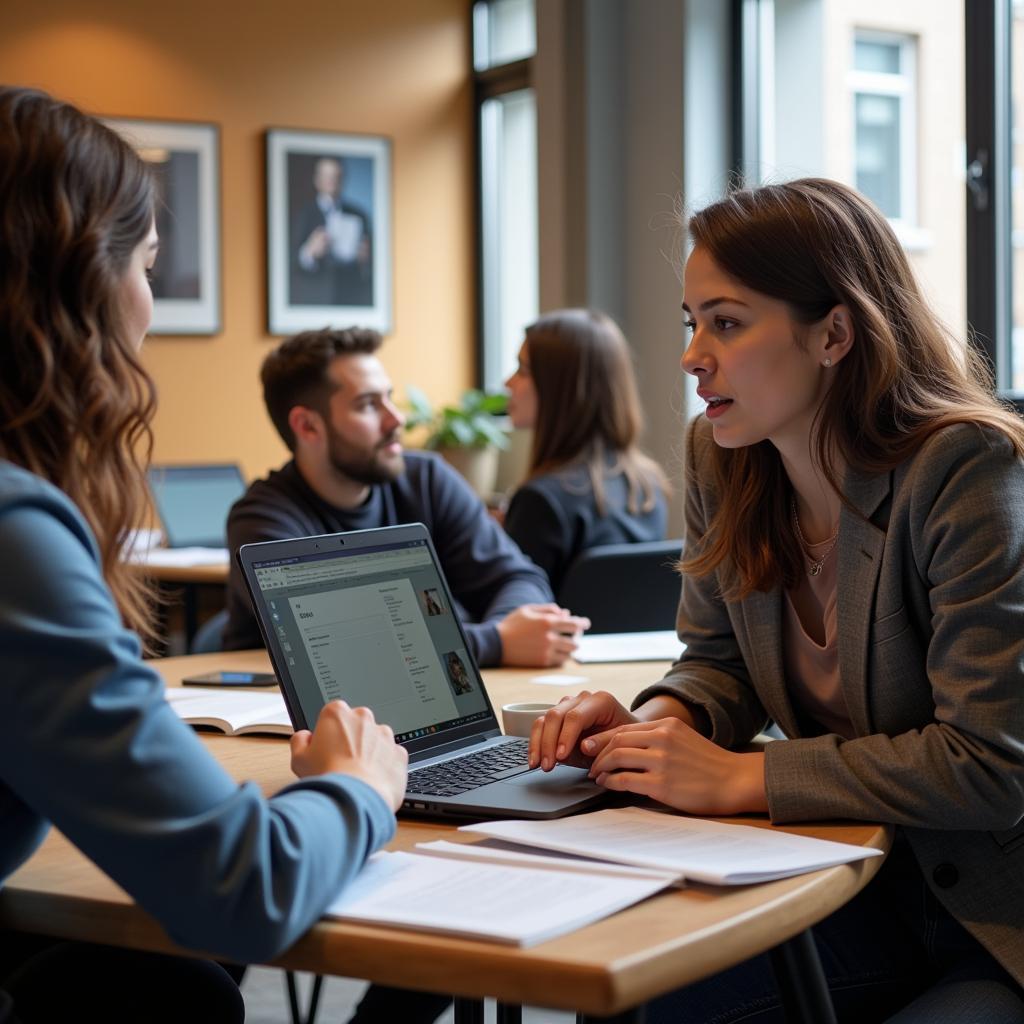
pixel 233 677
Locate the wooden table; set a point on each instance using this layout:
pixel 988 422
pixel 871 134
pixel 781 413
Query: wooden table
pixel 607 968
pixel 214 574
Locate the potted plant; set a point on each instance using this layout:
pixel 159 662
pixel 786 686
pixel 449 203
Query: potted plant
pixel 467 435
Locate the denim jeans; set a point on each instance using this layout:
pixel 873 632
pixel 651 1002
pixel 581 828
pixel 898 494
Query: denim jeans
pixel 893 953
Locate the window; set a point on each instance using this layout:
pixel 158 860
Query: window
pixel 504 31
pixel 871 93
pixel 504 42
pixel 883 86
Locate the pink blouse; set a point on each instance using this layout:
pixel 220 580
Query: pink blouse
pixel 812 667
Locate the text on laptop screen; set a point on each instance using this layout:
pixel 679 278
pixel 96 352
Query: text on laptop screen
pixel 372 627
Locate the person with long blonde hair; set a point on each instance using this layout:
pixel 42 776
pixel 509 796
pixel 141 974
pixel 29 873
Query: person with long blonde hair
pixel 588 482
pixel 853 569
pixel 87 742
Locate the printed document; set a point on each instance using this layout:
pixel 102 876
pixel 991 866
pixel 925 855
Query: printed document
pixel 693 848
pixel 504 903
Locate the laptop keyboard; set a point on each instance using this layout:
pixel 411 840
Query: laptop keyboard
pixel 471 771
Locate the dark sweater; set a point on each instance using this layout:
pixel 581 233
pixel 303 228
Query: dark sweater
pixel 554 517
pixel 488 575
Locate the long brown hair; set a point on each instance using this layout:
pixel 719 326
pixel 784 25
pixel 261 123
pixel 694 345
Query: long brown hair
pixel 815 244
pixel 588 408
pixel 75 403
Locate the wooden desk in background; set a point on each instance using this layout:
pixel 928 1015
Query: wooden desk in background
pixel 607 968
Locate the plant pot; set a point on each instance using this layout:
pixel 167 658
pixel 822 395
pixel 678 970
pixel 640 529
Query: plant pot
pixel 478 465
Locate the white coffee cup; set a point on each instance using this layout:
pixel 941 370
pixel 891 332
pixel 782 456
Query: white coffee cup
pixel 518 719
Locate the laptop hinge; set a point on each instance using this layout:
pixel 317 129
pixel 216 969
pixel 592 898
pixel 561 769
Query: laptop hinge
pixel 456 745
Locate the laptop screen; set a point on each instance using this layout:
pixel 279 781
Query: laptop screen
pixel 373 626
pixel 193 502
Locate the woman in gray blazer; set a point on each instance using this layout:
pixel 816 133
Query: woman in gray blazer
pixel 846 437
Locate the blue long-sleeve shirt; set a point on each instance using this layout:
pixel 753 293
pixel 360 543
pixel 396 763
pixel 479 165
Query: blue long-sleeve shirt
pixel 489 576
pixel 88 743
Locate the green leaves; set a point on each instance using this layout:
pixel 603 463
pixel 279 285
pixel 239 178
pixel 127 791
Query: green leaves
pixel 470 424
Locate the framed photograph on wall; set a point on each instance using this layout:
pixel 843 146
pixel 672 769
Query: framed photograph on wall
pixel 186 278
pixel 328 231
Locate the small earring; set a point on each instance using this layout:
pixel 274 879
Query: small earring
pixel 828 362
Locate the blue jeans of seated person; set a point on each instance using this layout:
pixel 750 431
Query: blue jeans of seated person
pixel 892 954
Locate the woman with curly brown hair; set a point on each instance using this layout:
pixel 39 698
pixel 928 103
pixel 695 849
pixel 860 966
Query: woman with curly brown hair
pixel 87 742
pixel 852 570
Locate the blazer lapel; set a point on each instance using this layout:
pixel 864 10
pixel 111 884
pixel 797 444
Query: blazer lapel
pixel 860 558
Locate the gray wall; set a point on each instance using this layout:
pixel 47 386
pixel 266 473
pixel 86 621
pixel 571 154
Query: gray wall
pixel 614 80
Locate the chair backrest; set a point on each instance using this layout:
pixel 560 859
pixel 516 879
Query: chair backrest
pixel 625 588
pixel 209 636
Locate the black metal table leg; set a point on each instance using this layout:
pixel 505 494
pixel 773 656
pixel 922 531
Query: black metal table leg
pixel 469 1011
pixel 509 1014
pixel 801 981
pixel 293 997
pixel 634 1016
pixel 190 596
pixel 314 999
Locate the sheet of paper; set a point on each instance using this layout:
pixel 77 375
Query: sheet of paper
pixel 138 542
pixel 181 557
pixel 556 679
pixel 656 645
pixel 508 904
pixel 497 852
pixel 702 851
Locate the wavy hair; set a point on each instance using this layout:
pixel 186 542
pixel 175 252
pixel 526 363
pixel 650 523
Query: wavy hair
pixel 75 403
pixel 815 244
pixel 588 407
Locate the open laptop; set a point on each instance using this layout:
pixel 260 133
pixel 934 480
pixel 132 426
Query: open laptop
pixel 193 502
pixel 367 616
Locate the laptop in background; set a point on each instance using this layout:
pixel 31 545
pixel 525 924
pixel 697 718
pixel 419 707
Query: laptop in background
pixel 367 617
pixel 193 502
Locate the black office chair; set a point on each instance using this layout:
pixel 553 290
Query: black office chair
pixel 209 636
pixel 624 588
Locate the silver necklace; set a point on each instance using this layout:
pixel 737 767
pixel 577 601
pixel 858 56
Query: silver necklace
pixel 815 564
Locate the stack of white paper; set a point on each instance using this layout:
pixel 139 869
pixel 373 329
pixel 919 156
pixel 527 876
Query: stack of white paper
pixel 654 645
pixel 592 865
pixel 691 848
pixel 515 905
pixel 175 558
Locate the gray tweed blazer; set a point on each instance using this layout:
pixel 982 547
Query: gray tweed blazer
pixel 931 654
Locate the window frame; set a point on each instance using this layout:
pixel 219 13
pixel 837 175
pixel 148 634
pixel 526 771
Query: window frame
pixel 988 43
pixel 902 86
pixel 489 83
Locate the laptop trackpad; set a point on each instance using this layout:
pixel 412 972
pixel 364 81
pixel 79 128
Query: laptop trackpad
pixel 561 779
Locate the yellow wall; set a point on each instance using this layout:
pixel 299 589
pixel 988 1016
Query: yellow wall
pixel 398 68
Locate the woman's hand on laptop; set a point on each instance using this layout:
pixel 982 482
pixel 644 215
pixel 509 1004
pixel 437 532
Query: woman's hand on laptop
pixel 349 740
pixel 539 635
pixel 556 736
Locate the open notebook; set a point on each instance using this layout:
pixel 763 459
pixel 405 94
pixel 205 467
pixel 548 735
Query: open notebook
pixel 234 712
